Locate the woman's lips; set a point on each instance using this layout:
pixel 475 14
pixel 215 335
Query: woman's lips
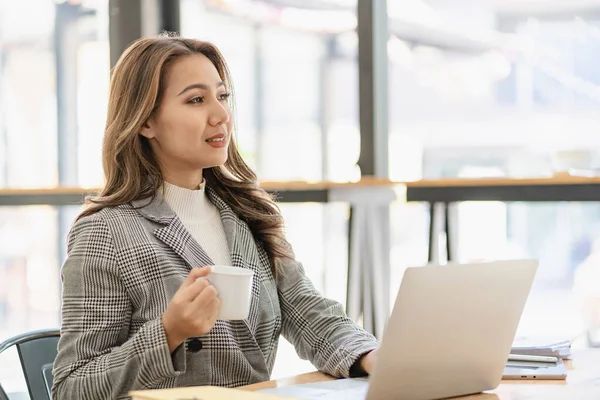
pixel 217 141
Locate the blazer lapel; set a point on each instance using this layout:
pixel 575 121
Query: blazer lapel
pixel 242 247
pixel 243 251
pixel 173 233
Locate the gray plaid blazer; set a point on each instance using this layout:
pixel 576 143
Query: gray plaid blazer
pixel 124 265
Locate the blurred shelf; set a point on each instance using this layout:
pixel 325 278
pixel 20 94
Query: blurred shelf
pixel 557 188
pixel 550 189
pixel 554 180
pixel 287 191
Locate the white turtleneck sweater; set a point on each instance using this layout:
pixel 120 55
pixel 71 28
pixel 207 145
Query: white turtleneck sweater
pixel 202 220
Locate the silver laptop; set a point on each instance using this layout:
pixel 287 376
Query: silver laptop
pixel 451 330
pixel 449 334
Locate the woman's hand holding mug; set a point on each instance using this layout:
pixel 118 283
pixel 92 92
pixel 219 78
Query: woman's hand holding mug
pixel 193 311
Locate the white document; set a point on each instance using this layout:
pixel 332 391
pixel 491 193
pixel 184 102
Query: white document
pixel 340 389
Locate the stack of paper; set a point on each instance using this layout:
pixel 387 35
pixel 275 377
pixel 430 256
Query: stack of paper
pixel 542 347
pixel 201 393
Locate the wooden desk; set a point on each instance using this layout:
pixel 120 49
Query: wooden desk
pixel 583 377
pixel 447 191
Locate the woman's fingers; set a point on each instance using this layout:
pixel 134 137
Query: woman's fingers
pixel 194 274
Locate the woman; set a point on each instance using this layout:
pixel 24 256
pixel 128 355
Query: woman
pixel 178 196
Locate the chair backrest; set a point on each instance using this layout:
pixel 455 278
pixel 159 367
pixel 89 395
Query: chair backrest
pixel 37 351
pixel 3 395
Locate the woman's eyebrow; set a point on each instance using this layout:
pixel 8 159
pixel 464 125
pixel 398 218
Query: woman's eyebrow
pixel 199 86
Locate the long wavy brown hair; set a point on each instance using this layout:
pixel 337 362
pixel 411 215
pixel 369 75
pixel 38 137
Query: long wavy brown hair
pixel 131 171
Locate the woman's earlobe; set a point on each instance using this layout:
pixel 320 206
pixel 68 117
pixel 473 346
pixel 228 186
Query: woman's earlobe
pixel 146 131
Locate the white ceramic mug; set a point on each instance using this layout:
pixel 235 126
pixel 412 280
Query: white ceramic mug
pixel 234 288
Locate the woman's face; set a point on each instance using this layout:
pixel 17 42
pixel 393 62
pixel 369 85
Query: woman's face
pixel 191 129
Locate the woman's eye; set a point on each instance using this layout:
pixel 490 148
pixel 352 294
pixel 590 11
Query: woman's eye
pixel 197 99
pixel 225 96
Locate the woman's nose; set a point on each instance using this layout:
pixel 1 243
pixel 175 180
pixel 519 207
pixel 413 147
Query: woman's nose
pixel 219 113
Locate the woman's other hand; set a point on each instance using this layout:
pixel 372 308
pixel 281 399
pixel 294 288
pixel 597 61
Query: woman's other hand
pixel 368 361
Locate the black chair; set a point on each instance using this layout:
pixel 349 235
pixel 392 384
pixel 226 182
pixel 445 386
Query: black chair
pixel 3 395
pixel 37 351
